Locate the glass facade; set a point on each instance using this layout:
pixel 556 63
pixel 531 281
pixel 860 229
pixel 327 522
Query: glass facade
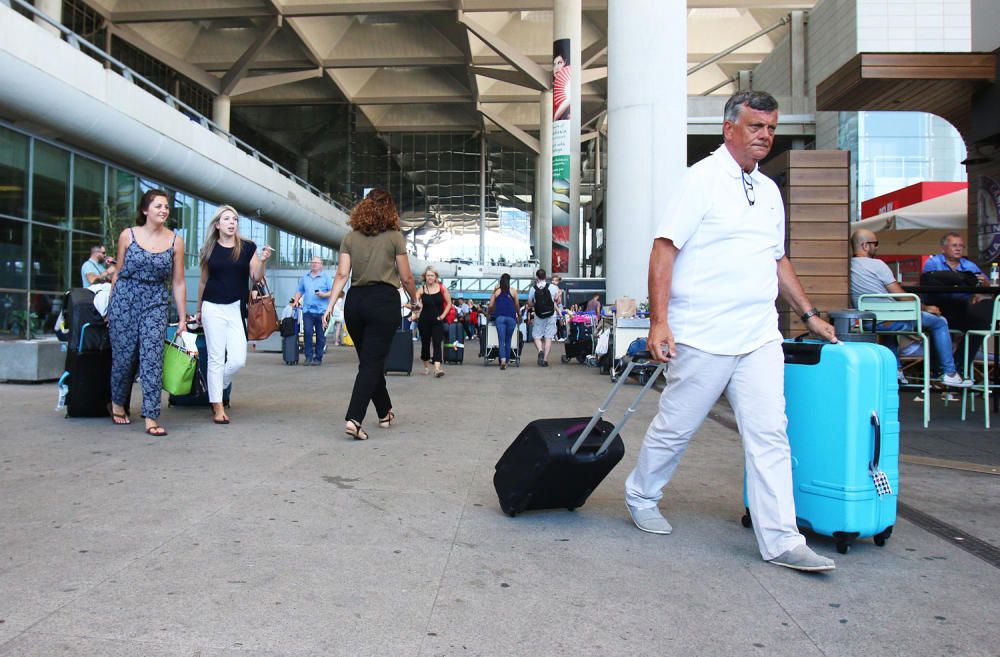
pixel 890 150
pixel 56 203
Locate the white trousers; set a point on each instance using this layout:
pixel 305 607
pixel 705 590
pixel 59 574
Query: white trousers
pixel 227 345
pixel 754 385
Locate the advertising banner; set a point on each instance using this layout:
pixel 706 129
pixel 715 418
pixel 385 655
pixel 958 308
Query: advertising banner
pixel 561 111
pixel 988 203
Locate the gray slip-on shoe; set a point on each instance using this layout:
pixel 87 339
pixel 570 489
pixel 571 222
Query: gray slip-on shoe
pixel 650 520
pixel 801 557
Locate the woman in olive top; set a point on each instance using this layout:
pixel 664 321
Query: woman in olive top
pixel 373 256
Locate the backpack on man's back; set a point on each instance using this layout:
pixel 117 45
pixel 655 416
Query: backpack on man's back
pixel 545 306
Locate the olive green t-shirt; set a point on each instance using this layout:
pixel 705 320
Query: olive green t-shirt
pixel 373 258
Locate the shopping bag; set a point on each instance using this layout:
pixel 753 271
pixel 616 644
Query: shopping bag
pixel 262 316
pixel 346 340
pixel 625 307
pixel 179 367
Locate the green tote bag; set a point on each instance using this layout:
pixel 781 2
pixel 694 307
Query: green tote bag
pixel 179 367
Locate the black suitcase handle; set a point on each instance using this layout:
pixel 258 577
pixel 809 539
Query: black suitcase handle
pixel 878 440
pixel 631 409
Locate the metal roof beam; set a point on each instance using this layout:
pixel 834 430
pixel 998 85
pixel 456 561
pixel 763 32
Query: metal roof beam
pixel 242 65
pixel 535 73
pixel 511 129
pixel 261 82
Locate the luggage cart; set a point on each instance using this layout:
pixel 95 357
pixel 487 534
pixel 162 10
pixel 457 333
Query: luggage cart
pixel 489 345
pixel 623 332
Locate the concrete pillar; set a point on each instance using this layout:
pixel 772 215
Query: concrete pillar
pixel 797 62
pixel 646 123
pixel 543 206
pixel 220 112
pixel 567 24
pixel 744 80
pixel 52 9
pixel 482 199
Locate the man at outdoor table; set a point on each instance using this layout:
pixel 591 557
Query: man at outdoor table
pixel 718 328
pixel 869 275
pixel 964 310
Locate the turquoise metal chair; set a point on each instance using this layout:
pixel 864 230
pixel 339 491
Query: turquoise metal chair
pixel 970 370
pixel 903 307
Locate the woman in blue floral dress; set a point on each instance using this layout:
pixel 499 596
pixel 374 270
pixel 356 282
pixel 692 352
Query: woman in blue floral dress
pixel 150 256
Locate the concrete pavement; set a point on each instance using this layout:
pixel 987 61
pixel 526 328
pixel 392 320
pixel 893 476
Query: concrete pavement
pixel 278 535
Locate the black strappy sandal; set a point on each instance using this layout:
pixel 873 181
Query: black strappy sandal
pixel 356 432
pixel 386 422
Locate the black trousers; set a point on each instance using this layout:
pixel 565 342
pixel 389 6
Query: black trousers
pixel 371 314
pixel 431 339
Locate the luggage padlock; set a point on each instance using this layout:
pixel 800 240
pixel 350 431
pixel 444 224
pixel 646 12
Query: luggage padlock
pixel 882 485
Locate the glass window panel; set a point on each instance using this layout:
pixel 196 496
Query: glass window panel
pixel 45 309
pixel 88 195
pixel 13 173
pixel 49 257
pixel 123 198
pixel 13 314
pixel 50 184
pixel 13 253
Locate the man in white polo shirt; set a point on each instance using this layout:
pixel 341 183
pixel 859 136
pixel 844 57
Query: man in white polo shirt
pixel 716 267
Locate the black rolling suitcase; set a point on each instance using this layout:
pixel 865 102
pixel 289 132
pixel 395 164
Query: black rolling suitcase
pixel 454 346
pixel 557 463
pixel 400 358
pixel 87 375
pixel 289 329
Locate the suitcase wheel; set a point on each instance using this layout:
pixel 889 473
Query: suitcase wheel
pixel 564 359
pixel 882 537
pixel 643 377
pixel 614 379
pixel 843 547
pixel 746 521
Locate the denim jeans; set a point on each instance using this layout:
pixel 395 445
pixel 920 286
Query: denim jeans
pixel 937 327
pixel 313 323
pixel 505 331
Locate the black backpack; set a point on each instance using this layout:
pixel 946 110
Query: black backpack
pixel 947 277
pixel 544 305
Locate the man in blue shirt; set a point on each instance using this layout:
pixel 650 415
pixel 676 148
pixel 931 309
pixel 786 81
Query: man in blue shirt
pixel 963 310
pixel 312 296
pixel 94 269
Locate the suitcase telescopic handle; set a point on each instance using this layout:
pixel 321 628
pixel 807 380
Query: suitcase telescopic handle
pixel 878 440
pixel 607 402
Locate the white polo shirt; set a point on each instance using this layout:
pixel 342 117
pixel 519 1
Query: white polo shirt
pixel 725 278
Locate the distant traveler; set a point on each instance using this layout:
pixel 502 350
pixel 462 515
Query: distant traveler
pixel 228 262
pixel 594 305
pixel 434 303
pixel 312 294
pixel 870 275
pixel 373 256
pixel 98 268
pixel 151 256
pixel 718 328
pixel 503 307
pixel 338 321
pixel 543 298
pixel 561 320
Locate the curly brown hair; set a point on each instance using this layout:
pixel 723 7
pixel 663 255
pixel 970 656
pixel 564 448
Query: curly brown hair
pixel 375 214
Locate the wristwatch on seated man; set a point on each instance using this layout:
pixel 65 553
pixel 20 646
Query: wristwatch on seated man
pixel 812 312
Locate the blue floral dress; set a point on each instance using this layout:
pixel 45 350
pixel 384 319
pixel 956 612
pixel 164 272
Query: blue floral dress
pixel 138 324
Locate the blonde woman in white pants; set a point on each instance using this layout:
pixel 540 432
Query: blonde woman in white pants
pixel 228 262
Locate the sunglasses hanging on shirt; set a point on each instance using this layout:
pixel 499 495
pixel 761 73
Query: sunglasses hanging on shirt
pixel 748 188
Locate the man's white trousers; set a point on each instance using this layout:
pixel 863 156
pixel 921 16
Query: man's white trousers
pixel 754 385
pixel 227 345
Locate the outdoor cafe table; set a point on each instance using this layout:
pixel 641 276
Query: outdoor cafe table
pixel 966 289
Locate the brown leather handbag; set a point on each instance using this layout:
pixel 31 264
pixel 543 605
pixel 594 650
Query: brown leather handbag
pixel 262 316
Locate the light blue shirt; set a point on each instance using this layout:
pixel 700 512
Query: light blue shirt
pixel 308 285
pixel 90 267
pixel 939 263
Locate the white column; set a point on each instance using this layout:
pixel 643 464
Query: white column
pixel 220 112
pixel 482 199
pixel 543 205
pixel 52 9
pixel 647 132
pixel 567 24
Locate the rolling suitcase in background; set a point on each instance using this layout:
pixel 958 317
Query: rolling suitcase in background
pixel 557 463
pixel 400 358
pixel 454 347
pixel 88 371
pixel 290 340
pixel 842 403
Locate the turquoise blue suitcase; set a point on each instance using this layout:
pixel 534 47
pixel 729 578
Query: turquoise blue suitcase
pixel 842 403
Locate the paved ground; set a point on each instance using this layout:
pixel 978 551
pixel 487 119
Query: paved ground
pixel 276 535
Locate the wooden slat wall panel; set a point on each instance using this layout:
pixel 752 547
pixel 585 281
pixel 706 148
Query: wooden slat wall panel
pixel 817 200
